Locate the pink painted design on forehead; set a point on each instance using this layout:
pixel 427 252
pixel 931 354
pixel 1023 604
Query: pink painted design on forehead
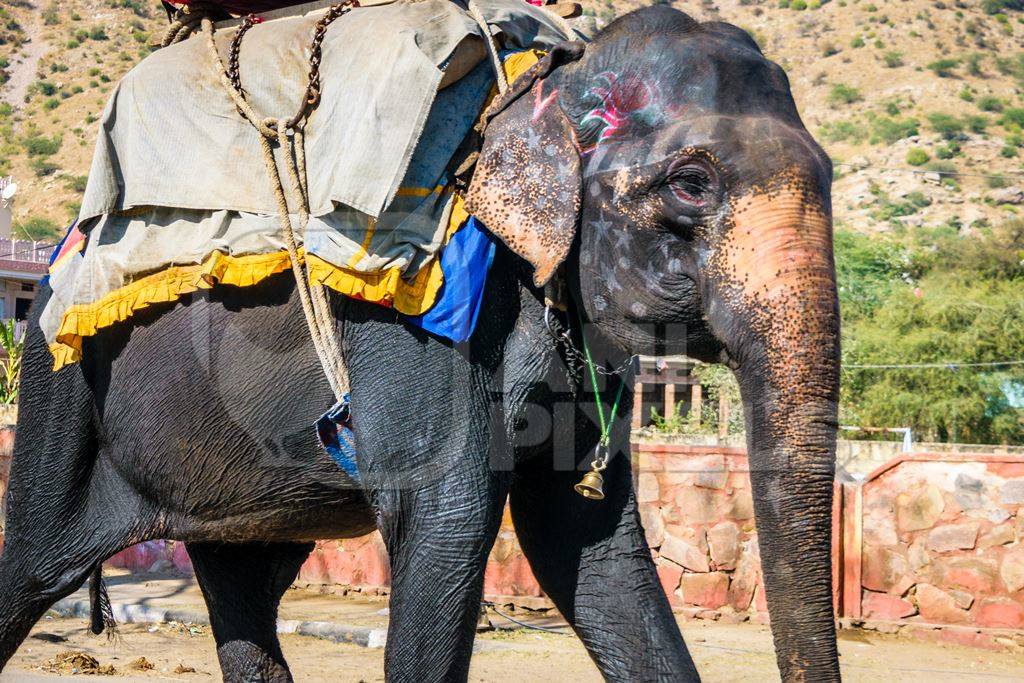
pixel 621 98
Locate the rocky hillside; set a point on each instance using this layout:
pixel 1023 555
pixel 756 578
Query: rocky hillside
pixel 920 102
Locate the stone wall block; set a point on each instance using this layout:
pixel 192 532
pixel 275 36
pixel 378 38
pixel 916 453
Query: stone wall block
pixel 654 525
pixel 724 543
pixel 1011 570
pixel 684 554
pixel 647 490
pixel 670 574
pixel 949 537
pixel 883 568
pixel 1000 613
pixel 938 606
pixel 973 574
pixel 885 606
pixel 699 505
pixel 919 509
pixel 1012 492
pixel 1001 534
pixel 709 590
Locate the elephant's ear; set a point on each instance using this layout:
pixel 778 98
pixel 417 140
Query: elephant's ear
pixel 526 186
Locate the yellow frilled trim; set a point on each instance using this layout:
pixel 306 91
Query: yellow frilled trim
pixel 412 297
pixel 85 320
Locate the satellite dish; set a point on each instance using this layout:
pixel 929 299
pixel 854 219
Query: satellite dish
pixel 9 191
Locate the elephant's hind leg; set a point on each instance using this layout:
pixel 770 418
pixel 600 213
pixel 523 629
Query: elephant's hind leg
pixel 243 585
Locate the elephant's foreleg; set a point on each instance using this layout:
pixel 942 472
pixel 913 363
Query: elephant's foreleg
pixel 592 560
pixel 243 585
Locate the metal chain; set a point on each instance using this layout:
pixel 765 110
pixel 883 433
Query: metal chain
pixel 234 76
pixel 312 96
pixel 575 360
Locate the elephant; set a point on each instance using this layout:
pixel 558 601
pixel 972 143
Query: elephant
pixel 661 179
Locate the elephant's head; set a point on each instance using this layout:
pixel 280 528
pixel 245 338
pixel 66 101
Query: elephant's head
pixel 667 166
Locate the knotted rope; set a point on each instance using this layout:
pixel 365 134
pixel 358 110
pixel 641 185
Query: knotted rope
pixel 315 304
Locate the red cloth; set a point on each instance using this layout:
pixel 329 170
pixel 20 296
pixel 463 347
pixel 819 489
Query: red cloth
pixel 248 6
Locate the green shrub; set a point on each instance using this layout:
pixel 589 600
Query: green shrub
pixel 973 61
pixel 799 5
pixel 947 151
pixel 1012 117
pixel 46 88
pixel 39 228
pixel 976 123
pixel 81 35
pixel 1008 152
pixel 857 42
pixel 94 72
pixel 844 94
pixel 917 157
pixel 884 129
pixel 51 104
pixel 50 16
pixel 77 183
pixel 40 146
pixel 990 103
pixel 43 168
pixel 946 125
pixel 72 44
pixel 98 33
pixel 840 131
pixel 893 59
pixel 943 68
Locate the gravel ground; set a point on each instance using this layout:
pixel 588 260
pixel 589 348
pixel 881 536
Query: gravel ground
pixel 723 653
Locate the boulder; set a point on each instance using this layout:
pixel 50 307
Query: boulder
pixel 684 554
pixel 1000 613
pixel 1011 571
pixel 724 543
pixel 919 510
pixel 885 606
pixel 949 537
pixel 938 606
pixel 710 472
pixel 709 590
pixel 1008 195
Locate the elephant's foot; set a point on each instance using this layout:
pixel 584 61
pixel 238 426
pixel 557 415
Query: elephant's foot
pixel 245 662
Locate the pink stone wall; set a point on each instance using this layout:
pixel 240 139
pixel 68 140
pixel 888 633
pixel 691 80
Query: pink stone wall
pixel 927 539
pixel 697 510
pixel 942 541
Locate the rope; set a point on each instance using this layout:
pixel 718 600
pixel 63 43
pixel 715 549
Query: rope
pixel 316 306
pixel 492 48
pixel 186 20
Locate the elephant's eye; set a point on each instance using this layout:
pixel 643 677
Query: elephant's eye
pixel 690 183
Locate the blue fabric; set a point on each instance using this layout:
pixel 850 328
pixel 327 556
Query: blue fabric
pixel 465 262
pixel 334 429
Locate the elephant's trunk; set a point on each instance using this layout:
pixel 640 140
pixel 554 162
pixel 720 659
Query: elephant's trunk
pixel 776 283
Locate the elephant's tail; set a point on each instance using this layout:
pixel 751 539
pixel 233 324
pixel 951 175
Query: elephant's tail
pixel 101 614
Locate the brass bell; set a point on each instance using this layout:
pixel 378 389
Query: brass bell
pixel 591 486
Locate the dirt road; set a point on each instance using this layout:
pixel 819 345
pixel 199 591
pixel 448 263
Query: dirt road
pixel 722 652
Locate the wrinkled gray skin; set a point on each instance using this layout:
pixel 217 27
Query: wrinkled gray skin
pixel 192 422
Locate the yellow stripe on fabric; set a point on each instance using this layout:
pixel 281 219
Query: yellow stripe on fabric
pixel 412 297
pixel 85 320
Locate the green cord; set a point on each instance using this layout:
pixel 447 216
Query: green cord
pixel 606 428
